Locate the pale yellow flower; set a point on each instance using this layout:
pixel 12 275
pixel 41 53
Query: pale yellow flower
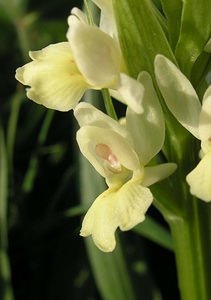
pixel 199 179
pixel 59 74
pixel 117 154
pixel 53 77
pixel 184 103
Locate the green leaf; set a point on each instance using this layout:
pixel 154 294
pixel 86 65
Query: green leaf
pixel 161 19
pixel 33 118
pixel 141 35
pixel 3 190
pixel 205 79
pixel 5 277
pixel 31 172
pixel 110 273
pixel 194 34
pixel 173 11
pixel 155 232
pixel 201 72
pixel 75 211
pixel 157 3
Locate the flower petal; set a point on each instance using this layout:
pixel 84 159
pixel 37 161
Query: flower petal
pixel 87 114
pixel 79 14
pixel 101 222
pixel 148 128
pixel 130 92
pixel 90 136
pixel 200 179
pixel 157 173
pixel 107 20
pixel 134 200
pixel 122 207
pixel 53 78
pixel 178 94
pixel 205 119
pixel 96 54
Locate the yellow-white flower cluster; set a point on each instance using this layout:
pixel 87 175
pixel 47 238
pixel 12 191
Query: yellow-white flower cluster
pixel 59 74
pixel 57 78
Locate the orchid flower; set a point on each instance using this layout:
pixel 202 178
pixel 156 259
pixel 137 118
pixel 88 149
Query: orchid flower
pixel 59 74
pixel 184 104
pixel 120 154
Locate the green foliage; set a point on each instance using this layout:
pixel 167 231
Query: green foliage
pixel 188 24
pixel 142 30
pixel 173 11
pixel 45 187
pixel 194 33
pixel 155 232
pixel 6 292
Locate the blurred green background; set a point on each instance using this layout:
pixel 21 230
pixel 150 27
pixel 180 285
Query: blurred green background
pixel 43 182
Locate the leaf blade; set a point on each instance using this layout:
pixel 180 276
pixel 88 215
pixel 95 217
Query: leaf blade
pixel 5 276
pixel 194 34
pixel 155 232
pixel 141 35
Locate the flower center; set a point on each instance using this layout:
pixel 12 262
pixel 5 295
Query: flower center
pixel 103 151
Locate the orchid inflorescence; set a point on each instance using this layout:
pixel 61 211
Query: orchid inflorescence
pixel 124 153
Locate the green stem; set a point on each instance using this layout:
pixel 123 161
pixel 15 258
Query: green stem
pixel 192 240
pixel 109 104
pixel 45 127
pixel 23 38
pixel 12 126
